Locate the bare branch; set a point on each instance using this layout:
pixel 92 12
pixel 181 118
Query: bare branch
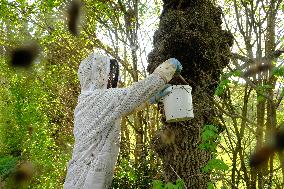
pixel 238 19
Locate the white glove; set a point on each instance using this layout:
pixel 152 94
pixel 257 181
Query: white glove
pixel 168 68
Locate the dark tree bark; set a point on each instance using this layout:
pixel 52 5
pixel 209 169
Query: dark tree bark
pixel 190 30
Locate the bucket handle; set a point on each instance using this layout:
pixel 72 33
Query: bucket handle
pixel 185 89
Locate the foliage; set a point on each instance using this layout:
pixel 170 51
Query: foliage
pixel 215 165
pixel 221 87
pixel 279 71
pixel 7 164
pixel 252 107
pixel 157 184
pixel 210 185
pixel 30 103
pixel 25 130
pixel 210 139
pixel 225 81
pixel 130 175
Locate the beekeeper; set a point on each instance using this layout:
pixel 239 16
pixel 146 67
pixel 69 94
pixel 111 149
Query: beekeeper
pixel 97 117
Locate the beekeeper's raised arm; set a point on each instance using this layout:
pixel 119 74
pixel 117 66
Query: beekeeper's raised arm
pixel 153 86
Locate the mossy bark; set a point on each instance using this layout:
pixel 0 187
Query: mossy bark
pixel 190 30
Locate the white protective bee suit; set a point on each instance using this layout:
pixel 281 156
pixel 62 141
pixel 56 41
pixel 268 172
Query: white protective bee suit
pixel 97 120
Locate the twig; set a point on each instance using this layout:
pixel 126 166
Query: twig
pixel 177 175
pixel 183 80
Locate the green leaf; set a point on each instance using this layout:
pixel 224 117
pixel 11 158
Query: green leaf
pixel 260 91
pixel 209 138
pixel 157 184
pixel 237 73
pixel 209 133
pixel 278 71
pixel 7 163
pixel 210 185
pixel 180 183
pixel 216 165
pixel 221 87
pixel 170 185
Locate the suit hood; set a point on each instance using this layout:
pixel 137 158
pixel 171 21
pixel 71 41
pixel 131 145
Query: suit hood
pixel 93 72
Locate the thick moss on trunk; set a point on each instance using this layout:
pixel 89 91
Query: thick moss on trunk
pixel 190 30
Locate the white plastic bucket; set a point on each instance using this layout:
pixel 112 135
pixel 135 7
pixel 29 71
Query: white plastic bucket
pixel 178 104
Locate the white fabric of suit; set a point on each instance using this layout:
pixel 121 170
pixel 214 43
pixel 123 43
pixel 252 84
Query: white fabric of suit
pixel 97 120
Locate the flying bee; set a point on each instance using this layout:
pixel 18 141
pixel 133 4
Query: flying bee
pixel 278 140
pixel 23 173
pixel 257 68
pixel 25 55
pixel 168 137
pixel 263 154
pixel 73 14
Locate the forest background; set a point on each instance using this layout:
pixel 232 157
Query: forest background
pixel 36 104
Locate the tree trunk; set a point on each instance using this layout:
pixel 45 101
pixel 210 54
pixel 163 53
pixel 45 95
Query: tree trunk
pixel 271 106
pixel 125 140
pixel 138 137
pixel 191 32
